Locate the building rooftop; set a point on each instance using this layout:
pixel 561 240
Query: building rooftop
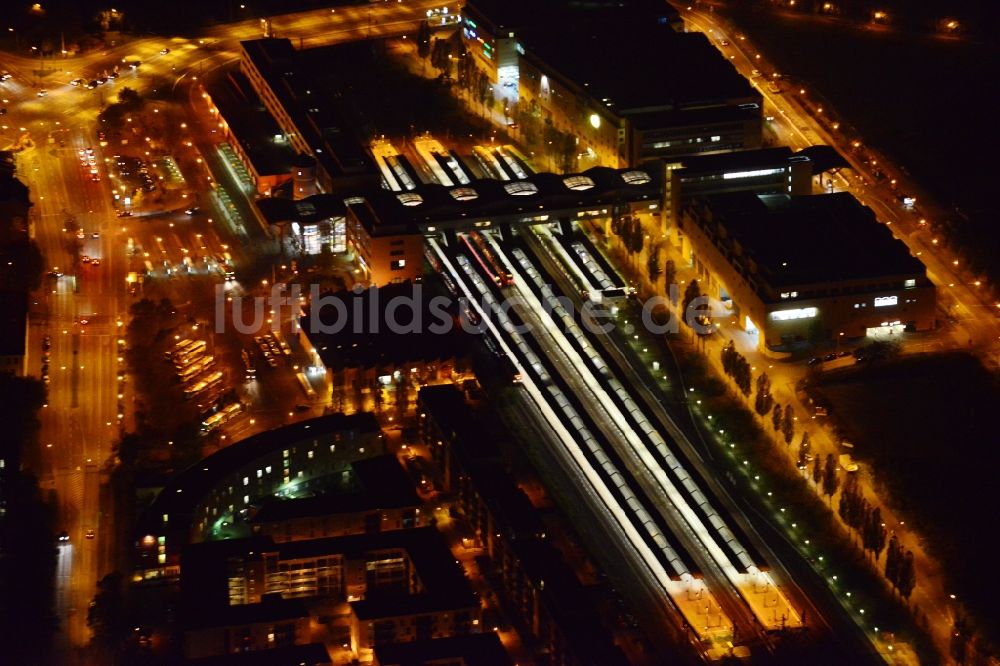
pixel 378 483
pixel 369 337
pixel 181 495
pixel 473 650
pixel 813 239
pixel 473 442
pixel 13 323
pixel 311 108
pixel 609 47
pixel 252 125
pixel 382 211
pixel 312 654
pixel 569 602
pixel 204 568
pixel 272 608
pixel 739 160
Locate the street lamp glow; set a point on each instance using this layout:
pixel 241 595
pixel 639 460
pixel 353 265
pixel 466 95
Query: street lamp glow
pixel 595 121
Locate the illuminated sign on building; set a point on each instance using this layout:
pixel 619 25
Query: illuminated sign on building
pixel 798 313
pixel 883 301
pixel 752 174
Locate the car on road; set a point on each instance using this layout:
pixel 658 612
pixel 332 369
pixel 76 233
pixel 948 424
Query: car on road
pixel 725 42
pixel 76 82
pixel 63 536
pixel 93 84
pixel 302 408
pixel 273 362
pixel 843 354
pixel 95 262
pixel 124 213
pixel 164 51
pixel 89 534
pixel 192 210
pixel 85 259
pixel 42 93
pixel 113 75
pixel 3 111
pixel 755 72
pixel 5 76
pixel 816 360
pixel 96 234
pixel 830 357
pixel 46 342
pixel 80 234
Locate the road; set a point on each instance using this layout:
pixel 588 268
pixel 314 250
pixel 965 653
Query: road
pixel 90 401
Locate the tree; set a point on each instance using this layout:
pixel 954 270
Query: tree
pixel 830 479
pixel 907 577
pixel 424 40
pixel 788 425
pixel 874 535
pixel 691 292
pixel 441 56
pixel 106 615
pixel 764 400
pixel 776 418
pixel 653 264
pixel 669 275
pixel 129 99
pixel 892 561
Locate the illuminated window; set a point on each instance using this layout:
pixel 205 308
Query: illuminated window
pixel 310 455
pixel 636 177
pixel 578 183
pixel 798 313
pixel 521 188
pixel 463 194
pixel 884 301
pixel 909 284
pixel 716 138
pixel 410 198
pixel 398 264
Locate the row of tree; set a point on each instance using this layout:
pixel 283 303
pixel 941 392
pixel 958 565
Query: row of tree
pixel 736 366
pixel 629 230
pixel 824 474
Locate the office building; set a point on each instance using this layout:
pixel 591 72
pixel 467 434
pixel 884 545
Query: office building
pixel 804 269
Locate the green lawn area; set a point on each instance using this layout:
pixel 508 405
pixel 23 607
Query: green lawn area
pixel 927 426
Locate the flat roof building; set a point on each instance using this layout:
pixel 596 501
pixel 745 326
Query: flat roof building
pixel 386 337
pixel 389 587
pixel 763 171
pixel 808 268
pixel 312 119
pixel 473 650
pixel 251 132
pixel 201 501
pixel 621 74
pixel 310 654
pixel 372 495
